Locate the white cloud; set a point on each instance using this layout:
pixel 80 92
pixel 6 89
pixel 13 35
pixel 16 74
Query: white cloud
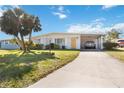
pixel 3 8
pixel 61 15
pixel 119 26
pixel 1 12
pixel 61 12
pixel 99 20
pixel 108 6
pixel 15 6
pixel 94 28
pixel 61 8
pixel 87 28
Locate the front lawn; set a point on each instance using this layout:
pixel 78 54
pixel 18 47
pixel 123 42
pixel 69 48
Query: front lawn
pixel 18 70
pixel 117 53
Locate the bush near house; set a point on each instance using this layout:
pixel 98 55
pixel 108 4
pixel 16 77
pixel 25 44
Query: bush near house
pixel 52 46
pixel 63 47
pixel 36 46
pixel 109 45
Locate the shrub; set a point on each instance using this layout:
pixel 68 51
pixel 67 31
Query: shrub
pixel 52 46
pixel 56 46
pixel 47 47
pixel 63 47
pixel 36 46
pixel 109 45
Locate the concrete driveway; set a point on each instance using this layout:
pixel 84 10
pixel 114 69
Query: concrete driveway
pixel 90 69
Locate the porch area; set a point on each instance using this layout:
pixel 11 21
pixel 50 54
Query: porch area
pixel 91 42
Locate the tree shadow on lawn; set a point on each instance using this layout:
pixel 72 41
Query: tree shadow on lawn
pixel 65 50
pixel 14 72
pixel 26 58
pixel 14 66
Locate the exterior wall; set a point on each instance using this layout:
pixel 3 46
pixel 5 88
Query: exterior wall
pixel 51 39
pixel 102 41
pixel 68 42
pixel 96 41
pixel 78 42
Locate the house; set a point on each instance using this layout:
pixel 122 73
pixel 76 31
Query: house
pixel 7 44
pixel 72 40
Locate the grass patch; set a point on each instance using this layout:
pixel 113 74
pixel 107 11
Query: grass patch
pixel 18 70
pixel 117 53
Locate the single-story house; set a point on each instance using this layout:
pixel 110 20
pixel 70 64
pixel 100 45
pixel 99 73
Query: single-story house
pixel 72 40
pixel 7 44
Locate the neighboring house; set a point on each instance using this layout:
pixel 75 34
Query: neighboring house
pixel 72 40
pixel 6 44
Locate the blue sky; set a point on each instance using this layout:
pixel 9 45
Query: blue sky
pixel 74 18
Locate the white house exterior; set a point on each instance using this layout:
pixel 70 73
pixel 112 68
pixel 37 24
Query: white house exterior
pixel 6 44
pixel 70 40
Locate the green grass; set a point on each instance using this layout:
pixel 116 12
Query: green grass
pixel 117 53
pixel 18 70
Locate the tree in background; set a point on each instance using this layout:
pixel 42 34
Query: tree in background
pixel 20 24
pixel 111 38
pixel 112 35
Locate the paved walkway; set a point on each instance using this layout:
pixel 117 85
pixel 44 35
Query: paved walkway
pixel 89 69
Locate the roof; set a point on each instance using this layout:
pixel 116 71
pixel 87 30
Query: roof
pixel 56 33
pixel 64 33
pixel 5 40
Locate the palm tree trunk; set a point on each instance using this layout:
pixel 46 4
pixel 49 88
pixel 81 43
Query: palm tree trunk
pixel 19 42
pixel 30 35
pixel 23 43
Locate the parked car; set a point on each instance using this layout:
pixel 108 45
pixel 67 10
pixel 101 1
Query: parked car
pixel 89 45
pixel 120 42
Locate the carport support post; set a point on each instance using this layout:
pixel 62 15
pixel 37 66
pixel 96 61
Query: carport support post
pixel 101 39
pixel 78 42
pixel 96 43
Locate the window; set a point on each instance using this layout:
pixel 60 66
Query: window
pixel 60 41
pixel 38 40
pixel 6 42
pixel 48 40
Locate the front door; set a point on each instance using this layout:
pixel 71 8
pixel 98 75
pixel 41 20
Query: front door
pixel 73 43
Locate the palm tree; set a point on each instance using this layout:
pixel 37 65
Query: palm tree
pixel 10 24
pixel 36 27
pixel 30 24
pixel 19 24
